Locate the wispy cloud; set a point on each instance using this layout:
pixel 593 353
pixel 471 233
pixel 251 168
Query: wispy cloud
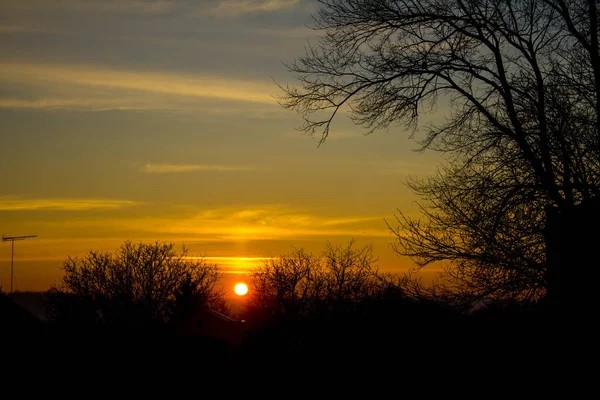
pixel 302 32
pixel 10 203
pixel 199 86
pixel 350 220
pixel 120 6
pixel 219 7
pixel 169 168
pixel 271 222
pixel 237 7
pixel 226 225
pixel 28 28
pixel 235 265
pixel 44 103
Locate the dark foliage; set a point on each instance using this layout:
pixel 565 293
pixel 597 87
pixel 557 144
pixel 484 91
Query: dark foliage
pixel 520 81
pixel 141 287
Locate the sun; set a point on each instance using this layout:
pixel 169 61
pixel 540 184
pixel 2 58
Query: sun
pixel 240 289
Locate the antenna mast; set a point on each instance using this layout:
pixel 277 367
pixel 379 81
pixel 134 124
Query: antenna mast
pixel 12 253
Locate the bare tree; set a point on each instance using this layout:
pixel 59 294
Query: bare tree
pixel 492 237
pixel 285 285
pixel 520 79
pixel 301 284
pixel 350 272
pixel 138 284
pixel 338 304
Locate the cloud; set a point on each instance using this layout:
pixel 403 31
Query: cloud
pixel 270 222
pixel 28 28
pixel 351 220
pixel 10 203
pixel 302 32
pixel 82 99
pixel 168 168
pixel 222 225
pixel 46 103
pixel 223 8
pixel 191 86
pixel 238 7
pixel 235 265
pixel 109 6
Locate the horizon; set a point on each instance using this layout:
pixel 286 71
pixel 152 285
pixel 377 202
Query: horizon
pixel 38 275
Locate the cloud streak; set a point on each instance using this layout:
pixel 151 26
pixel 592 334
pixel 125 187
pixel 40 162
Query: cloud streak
pixel 107 6
pixel 270 222
pixel 239 7
pixel 175 168
pixel 9 203
pixel 199 86
pixel 225 224
pixel 215 7
pixel 26 28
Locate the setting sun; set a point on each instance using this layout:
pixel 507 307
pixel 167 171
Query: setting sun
pixel 240 289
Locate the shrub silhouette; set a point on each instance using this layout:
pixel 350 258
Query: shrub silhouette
pixel 139 285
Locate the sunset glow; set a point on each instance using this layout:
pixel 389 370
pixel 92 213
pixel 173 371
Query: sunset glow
pixel 155 131
pixel 298 187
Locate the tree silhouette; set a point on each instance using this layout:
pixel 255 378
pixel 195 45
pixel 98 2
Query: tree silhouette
pixel 300 284
pixel 140 285
pixel 336 307
pixel 520 80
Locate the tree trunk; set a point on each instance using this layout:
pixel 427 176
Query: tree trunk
pixel 572 262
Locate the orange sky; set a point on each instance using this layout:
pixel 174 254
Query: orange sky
pixel 156 120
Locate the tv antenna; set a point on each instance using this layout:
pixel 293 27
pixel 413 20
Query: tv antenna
pixel 12 252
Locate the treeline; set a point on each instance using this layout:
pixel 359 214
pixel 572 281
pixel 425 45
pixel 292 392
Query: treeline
pixel 154 285
pixel 146 287
pixel 300 306
pixel 143 285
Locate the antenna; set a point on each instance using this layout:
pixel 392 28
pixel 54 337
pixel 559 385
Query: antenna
pixel 12 253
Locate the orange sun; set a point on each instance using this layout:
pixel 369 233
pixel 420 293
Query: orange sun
pixel 240 289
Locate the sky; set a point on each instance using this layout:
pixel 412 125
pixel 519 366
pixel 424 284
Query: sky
pixel 158 121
